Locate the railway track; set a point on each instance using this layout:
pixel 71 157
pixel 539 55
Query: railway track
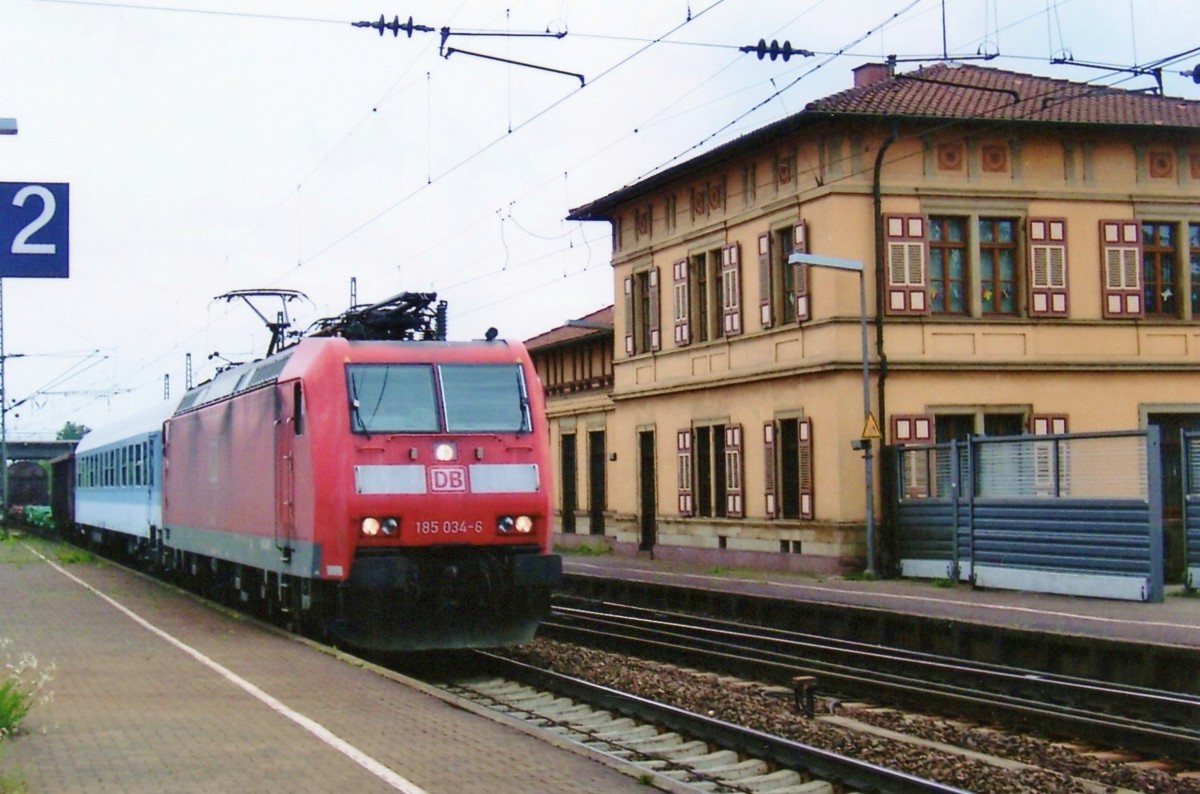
pixel 1159 724
pixel 693 751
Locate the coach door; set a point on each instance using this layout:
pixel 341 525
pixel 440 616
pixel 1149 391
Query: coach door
pixel 288 425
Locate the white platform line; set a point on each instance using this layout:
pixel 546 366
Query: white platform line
pixel 316 729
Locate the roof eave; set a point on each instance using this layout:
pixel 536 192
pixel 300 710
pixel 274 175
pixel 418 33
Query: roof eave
pixel 601 209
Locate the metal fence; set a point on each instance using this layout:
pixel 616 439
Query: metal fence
pixel 1078 514
pixel 1191 506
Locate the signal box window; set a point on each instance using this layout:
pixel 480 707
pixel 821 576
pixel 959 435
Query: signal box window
pixel 948 265
pixel 1158 269
pixel 1194 266
pixel 997 266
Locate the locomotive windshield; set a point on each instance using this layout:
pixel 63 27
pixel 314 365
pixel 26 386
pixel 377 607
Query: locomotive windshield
pixel 451 398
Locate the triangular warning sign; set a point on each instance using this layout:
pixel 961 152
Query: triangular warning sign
pixel 870 430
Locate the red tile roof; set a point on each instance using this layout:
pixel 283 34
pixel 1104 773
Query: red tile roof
pixel 597 323
pixel 943 92
pixel 948 91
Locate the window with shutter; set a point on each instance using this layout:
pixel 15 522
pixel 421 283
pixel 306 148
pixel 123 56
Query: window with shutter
pixel 731 289
pixel 733 471
pixel 766 313
pixel 683 453
pixel 652 321
pixel 1048 424
pixel 770 503
pixel 799 294
pixel 804 452
pixel 948 277
pixel 1051 459
pixel 683 331
pixel 1160 278
pixel 912 429
pixel 1047 267
pixel 905 238
pixel 1121 251
pixel 629 315
pixel 997 266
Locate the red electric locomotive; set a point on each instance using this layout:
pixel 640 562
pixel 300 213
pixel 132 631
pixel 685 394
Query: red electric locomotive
pixel 374 480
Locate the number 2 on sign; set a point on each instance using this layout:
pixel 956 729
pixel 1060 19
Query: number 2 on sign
pixel 21 244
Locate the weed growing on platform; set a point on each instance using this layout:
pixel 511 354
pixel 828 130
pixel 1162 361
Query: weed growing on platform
pixel 11 782
pixel 68 555
pixel 584 550
pixel 23 686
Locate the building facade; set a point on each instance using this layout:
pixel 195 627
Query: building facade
pixel 575 364
pixel 1031 264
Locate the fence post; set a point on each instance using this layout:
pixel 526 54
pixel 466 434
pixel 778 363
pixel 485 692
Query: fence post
pixel 1154 503
pixel 955 568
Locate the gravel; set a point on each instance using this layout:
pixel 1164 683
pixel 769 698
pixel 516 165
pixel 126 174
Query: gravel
pixel 1057 767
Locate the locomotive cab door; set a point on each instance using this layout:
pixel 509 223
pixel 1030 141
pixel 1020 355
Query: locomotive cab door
pixel 288 425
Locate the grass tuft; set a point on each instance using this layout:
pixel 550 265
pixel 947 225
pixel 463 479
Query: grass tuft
pixel 584 550
pixel 22 687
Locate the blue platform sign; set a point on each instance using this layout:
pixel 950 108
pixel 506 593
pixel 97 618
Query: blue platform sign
pixel 34 230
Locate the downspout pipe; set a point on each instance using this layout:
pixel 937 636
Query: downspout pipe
pixel 886 473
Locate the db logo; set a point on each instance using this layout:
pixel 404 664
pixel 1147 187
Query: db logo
pixel 448 478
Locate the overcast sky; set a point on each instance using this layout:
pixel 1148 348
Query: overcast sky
pixel 218 145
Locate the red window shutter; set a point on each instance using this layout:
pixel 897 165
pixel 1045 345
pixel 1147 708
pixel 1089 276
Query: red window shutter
pixel 653 319
pixel 683 456
pixel 1051 460
pixel 1121 250
pixel 912 429
pixel 629 315
pixel 734 501
pixel 1048 424
pixel 805 460
pixel 907 253
pixel 772 505
pixel 800 274
pixel 1047 267
pixel 683 329
pixel 766 314
pixel 731 283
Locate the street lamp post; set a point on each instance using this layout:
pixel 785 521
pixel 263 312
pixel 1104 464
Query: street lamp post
pixel 864 443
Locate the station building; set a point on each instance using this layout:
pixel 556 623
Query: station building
pixel 1031 264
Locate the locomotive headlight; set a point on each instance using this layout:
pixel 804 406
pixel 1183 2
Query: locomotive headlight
pixel 445 452
pixel 521 525
pixel 391 526
pixel 370 527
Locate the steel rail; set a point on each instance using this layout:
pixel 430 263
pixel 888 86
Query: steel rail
pixel 1085 709
pixel 853 774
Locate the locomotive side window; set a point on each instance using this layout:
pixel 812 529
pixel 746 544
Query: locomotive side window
pixel 297 409
pixel 484 398
pixel 389 398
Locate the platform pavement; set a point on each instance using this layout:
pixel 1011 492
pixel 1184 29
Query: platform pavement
pixel 1175 621
pixel 132 712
